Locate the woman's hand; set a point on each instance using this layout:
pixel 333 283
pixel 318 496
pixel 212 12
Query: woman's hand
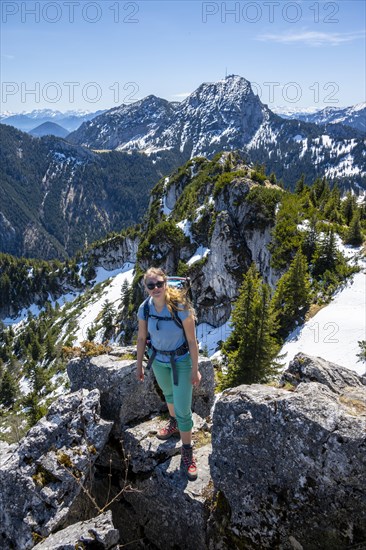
pixel 140 374
pixel 196 377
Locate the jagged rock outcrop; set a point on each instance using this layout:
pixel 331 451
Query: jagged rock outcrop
pixel 304 368
pixel 98 533
pixel 173 511
pixel 291 465
pixel 227 214
pixel 145 451
pixel 41 481
pixel 115 252
pixel 284 469
pixel 123 398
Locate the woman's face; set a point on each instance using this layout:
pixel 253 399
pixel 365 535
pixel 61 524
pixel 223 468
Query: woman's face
pixel 155 286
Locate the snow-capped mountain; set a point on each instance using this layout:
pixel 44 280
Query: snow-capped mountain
pixel 227 115
pixel 354 116
pixel 28 120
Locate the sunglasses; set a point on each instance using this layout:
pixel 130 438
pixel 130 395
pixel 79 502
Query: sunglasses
pixel 159 284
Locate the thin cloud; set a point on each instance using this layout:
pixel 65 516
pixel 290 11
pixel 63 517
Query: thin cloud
pixel 7 56
pixel 312 38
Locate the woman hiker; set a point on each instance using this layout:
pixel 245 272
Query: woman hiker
pixel 169 319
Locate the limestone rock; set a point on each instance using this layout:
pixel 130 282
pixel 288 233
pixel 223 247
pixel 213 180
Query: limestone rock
pixel 115 252
pixel 122 397
pixel 146 451
pixel 6 451
pixel 204 394
pixel 304 368
pixel 291 465
pixel 172 510
pixel 98 532
pixel 42 480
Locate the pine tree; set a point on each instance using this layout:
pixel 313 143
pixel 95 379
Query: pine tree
pixel 35 410
pixel 332 208
pixel 108 316
pixel 272 178
pixel 326 255
pixel 286 237
pixel 300 185
pixel 349 206
pixel 311 238
pixel 91 332
pixel 362 354
pixel 251 348
pixel 354 234
pixel 8 390
pixel 320 192
pixel 125 295
pixel 291 299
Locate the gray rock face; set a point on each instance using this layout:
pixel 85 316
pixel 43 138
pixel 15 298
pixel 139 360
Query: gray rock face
pixel 291 465
pixel 285 470
pixel 98 532
pixel 6 451
pixel 116 252
pixel 41 482
pixel 146 451
pixel 170 509
pixel 304 368
pixel 123 398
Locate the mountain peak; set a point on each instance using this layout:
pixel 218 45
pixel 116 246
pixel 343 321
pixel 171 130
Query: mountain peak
pixel 232 85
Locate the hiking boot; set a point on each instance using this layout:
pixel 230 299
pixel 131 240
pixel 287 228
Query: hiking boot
pixel 189 463
pixel 170 429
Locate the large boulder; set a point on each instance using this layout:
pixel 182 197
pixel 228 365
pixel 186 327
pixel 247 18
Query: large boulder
pixel 41 483
pixel 123 398
pixel 145 451
pixel 305 368
pixel 171 510
pixel 97 532
pixel 290 465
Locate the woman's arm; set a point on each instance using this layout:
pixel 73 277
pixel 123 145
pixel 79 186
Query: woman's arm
pixel 141 344
pixel 190 332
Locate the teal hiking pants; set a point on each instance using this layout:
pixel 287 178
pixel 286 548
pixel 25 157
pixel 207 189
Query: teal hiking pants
pixel 181 395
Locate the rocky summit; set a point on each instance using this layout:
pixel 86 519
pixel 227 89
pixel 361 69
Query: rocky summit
pixel 280 467
pixel 223 116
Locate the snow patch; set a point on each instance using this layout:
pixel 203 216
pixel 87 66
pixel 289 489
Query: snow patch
pixel 200 253
pixel 185 226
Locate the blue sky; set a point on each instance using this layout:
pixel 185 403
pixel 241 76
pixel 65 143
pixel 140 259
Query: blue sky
pixel 98 54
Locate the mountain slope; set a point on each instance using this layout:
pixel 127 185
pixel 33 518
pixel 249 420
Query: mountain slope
pixel 354 116
pixel 56 197
pixel 49 129
pixel 227 115
pixel 209 220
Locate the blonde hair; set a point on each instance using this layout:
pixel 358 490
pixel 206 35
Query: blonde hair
pixel 176 298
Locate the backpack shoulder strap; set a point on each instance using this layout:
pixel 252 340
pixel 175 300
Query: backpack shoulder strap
pixel 177 319
pixel 146 309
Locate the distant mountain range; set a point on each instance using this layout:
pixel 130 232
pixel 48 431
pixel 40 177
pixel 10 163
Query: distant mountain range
pixel 70 120
pixel 227 115
pixel 354 116
pixel 56 195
